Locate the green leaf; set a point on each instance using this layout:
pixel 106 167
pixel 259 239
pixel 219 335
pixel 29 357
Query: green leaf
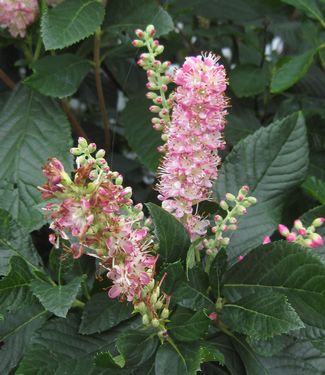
pixel 218 268
pixel 299 358
pixel 106 360
pixel 286 268
pixel 142 138
pixel 102 313
pixel 172 236
pixel 169 361
pixel 241 122
pixel 56 299
pixel 291 71
pixel 271 162
pixel 190 257
pixel 174 276
pixel 315 188
pixel 70 22
pixel 261 315
pixel 186 326
pixel 309 7
pixel 59 349
pixel 16 331
pixel 14 240
pixel 188 297
pixel 248 80
pixel 140 13
pixel 270 347
pixel 14 288
pixel 136 347
pixel 58 76
pixel 32 128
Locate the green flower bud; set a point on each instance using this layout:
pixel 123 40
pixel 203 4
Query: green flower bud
pixel 230 197
pixel 158 305
pixel 145 320
pixel 153 298
pixel 241 210
pixel 165 313
pixel 224 205
pixel 119 180
pixel 82 142
pixel 100 154
pixel 75 151
pixel 141 307
pixel 252 200
pixel 155 323
pixel 318 222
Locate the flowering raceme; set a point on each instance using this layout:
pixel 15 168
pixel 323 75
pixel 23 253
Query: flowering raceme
pixel 193 136
pixel 193 139
pixel 17 15
pixel 96 215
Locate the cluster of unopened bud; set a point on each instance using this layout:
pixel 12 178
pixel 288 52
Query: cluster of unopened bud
pixel 235 206
pixel 158 80
pixel 304 236
pixel 153 307
pixel 84 155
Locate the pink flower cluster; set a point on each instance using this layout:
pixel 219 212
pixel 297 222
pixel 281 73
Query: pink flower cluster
pixel 305 236
pixel 193 139
pixel 96 214
pixel 17 15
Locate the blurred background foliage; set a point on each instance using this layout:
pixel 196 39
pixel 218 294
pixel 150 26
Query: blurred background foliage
pixel 273 52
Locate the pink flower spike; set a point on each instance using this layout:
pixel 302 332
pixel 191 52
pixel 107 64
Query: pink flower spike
pixel 241 258
pixel 283 230
pixel 213 316
pixel 266 240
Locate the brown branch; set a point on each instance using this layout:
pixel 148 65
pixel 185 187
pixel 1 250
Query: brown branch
pixel 99 88
pixel 7 80
pixel 73 121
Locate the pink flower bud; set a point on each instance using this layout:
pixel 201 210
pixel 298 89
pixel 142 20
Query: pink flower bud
pixel 318 222
pixel 213 316
pixel 266 240
pixel 302 231
pixel 240 258
pixel 291 237
pixel 151 30
pixel 154 109
pixel 283 230
pixel 298 224
pixel 139 33
pixel 317 240
pixel 137 43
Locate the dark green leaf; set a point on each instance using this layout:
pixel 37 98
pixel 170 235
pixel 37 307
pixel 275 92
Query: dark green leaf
pixel 300 358
pixel 70 22
pixel 242 122
pixel 32 128
pixel 309 7
pixel 218 268
pixel 14 288
pixel 261 315
pixel 315 188
pixel 291 71
pixel 248 80
pixel 14 240
pixel 271 162
pixel 142 138
pixel 58 76
pixel 174 276
pixel 188 297
pixel 169 361
pixel 15 333
pixel 285 268
pixel 102 313
pixel 106 360
pixel 59 349
pixel 188 326
pixel 140 14
pixel 270 347
pixel 136 347
pixel 171 234
pixel 56 299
